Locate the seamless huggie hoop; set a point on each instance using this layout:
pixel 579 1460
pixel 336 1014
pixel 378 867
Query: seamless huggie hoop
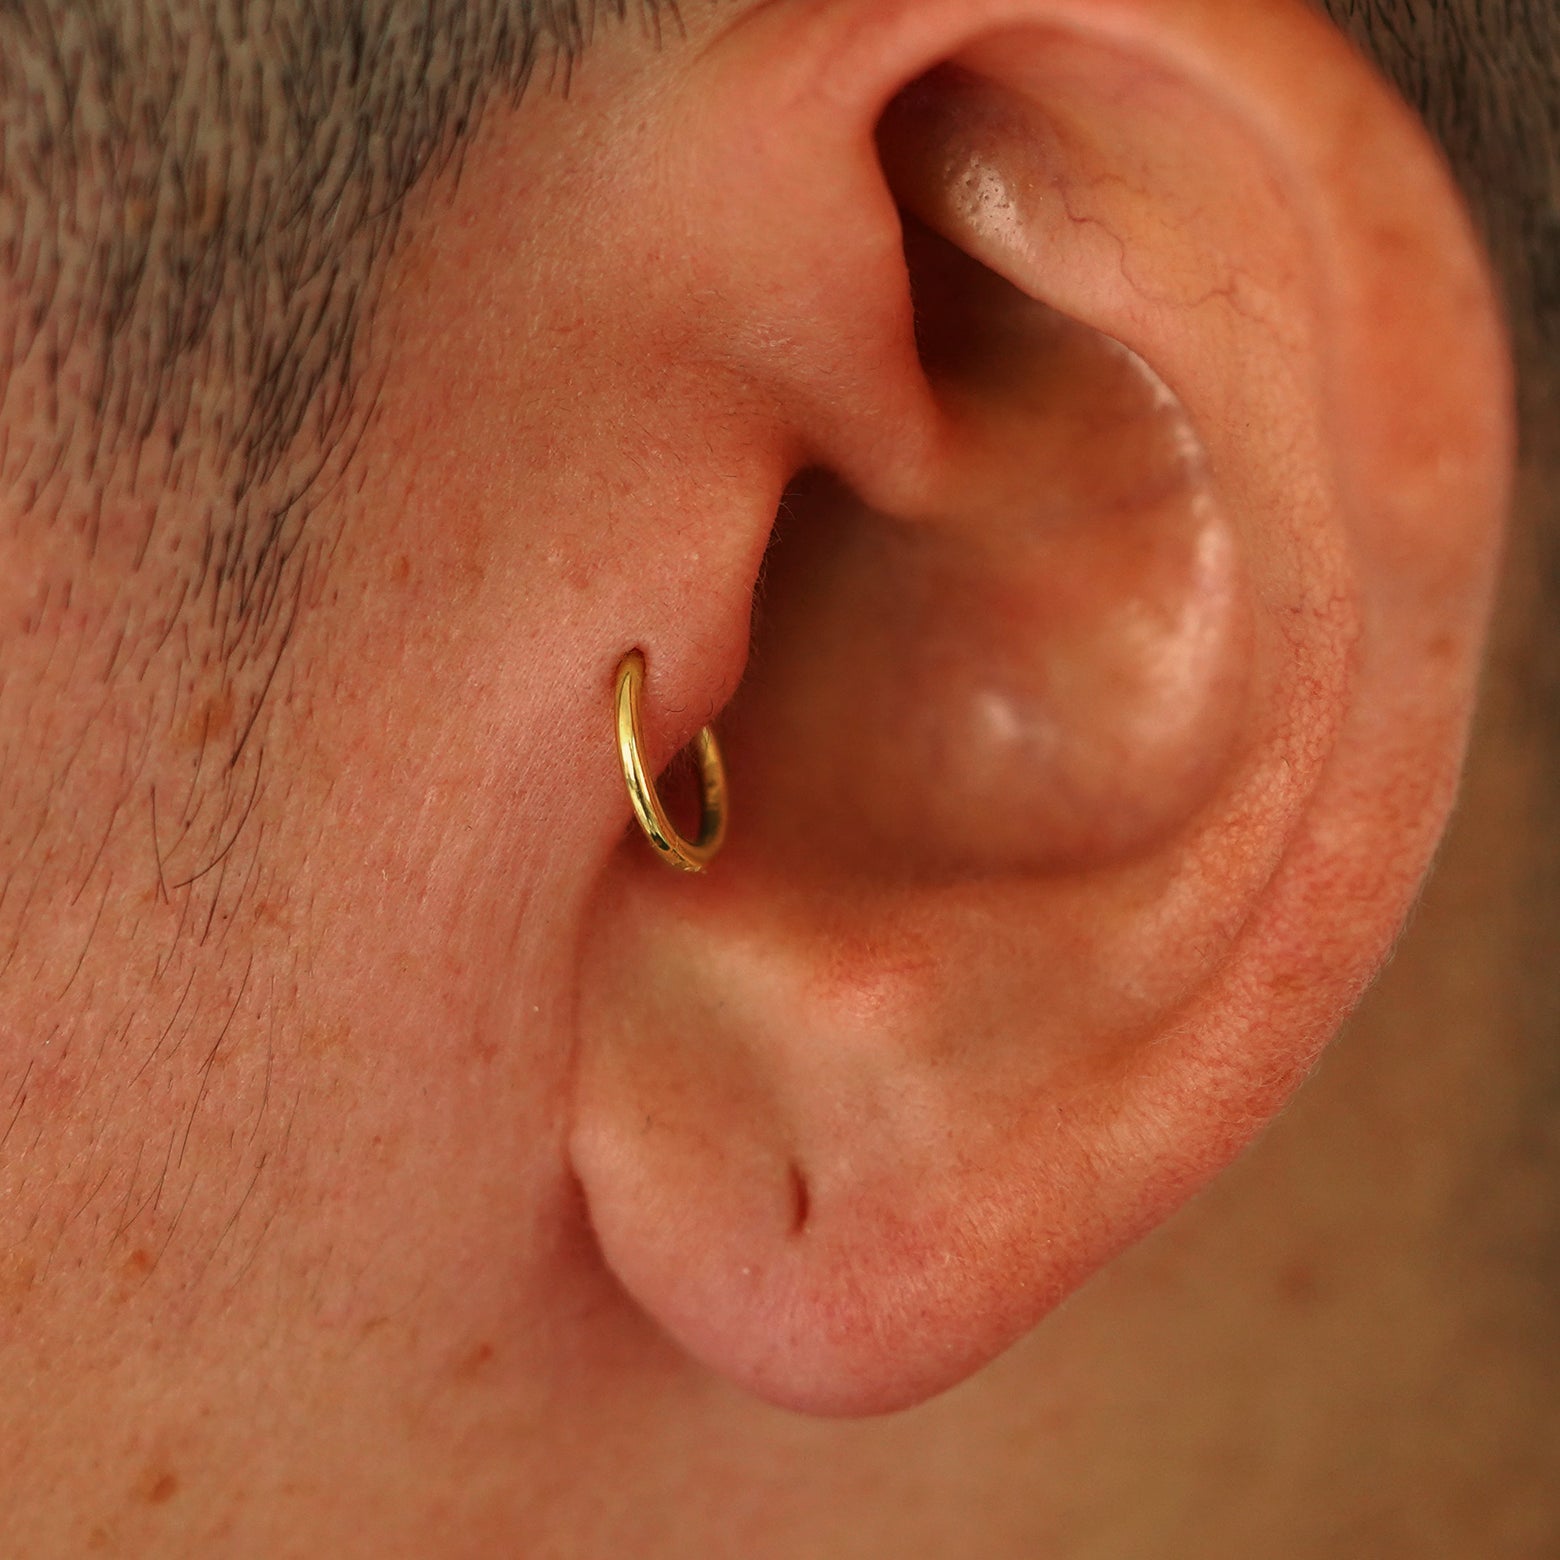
pixel 673 849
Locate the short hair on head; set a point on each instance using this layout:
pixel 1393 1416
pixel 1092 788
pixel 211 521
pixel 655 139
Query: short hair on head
pixel 197 202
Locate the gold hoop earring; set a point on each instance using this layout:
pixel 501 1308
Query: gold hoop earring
pixel 674 850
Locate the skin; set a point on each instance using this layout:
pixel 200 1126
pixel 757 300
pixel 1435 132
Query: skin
pixel 334 1227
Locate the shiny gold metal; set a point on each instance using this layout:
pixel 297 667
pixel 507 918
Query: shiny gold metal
pixel 674 850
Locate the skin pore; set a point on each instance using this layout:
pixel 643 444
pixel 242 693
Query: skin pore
pixel 294 801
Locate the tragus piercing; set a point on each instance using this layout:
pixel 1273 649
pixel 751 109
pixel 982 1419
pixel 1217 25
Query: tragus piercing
pixel 673 849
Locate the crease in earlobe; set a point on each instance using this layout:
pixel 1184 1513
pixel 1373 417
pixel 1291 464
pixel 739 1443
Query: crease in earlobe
pixel 940 1035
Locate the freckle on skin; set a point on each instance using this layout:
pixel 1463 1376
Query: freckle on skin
pixel 210 719
pixel 161 1487
pixel 17 1274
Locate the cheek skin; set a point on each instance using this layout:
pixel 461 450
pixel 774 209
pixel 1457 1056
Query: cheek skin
pixel 455 784
pixel 444 793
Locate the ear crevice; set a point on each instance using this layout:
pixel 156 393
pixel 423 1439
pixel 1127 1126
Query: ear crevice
pixel 801 1200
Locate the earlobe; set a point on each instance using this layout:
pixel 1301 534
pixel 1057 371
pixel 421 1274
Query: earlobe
pixel 1098 731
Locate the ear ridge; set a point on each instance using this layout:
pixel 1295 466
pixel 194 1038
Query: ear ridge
pixel 846 1133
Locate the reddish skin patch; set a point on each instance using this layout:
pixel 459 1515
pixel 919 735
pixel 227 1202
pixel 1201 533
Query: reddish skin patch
pixel 274 912
pixel 134 1272
pixel 473 1363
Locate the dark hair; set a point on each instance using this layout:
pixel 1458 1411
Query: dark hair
pixel 197 202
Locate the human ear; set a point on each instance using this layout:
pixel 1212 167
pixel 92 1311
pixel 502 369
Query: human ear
pixel 1110 674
